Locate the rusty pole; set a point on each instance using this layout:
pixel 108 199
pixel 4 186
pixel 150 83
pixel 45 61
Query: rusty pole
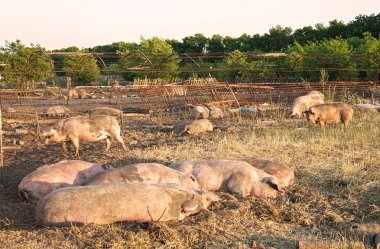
pixel 1 150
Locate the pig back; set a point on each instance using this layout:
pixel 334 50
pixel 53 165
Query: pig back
pixel 51 177
pixel 105 204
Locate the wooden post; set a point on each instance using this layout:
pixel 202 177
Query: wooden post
pixel 1 150
pixel 37 127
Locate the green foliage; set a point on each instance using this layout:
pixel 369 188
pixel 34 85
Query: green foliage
pixel 81 68
pixel 332 55
pixel 24 65
pixel 238 66
pixel 154 54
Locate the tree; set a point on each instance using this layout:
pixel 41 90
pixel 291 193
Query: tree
pixel 195 44
pixel 278 39
pixel 81 68
pixel 155 57
pixel 216 44
pixel 25 65
pixel 333 55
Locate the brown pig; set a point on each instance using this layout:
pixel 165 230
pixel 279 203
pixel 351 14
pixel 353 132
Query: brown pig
pixel 115 202
pixel 194 127
pixel 147 173
pixel 231 176
pixel 51 177
pixel 330 113
pixel 84 128
pixel 105 111
pixel 283 174
pixel 302 103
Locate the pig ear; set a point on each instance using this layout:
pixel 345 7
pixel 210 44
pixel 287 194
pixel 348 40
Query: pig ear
pixel 192 177
pixel 274 184
pixel 189 206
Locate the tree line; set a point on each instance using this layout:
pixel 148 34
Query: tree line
pixel 344 51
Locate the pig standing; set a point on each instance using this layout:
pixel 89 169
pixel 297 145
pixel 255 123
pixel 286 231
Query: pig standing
pixel 51 177
pixel 302 103
pixel 330 113
pixel 105 111
pixel 84 128
pixel 231 176
pixel 115 202
pixel 283 174
pixel 200 111
pixel 194 127
pixel 146 173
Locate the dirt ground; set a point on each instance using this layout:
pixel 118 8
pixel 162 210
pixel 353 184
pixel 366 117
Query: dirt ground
pixel 337 183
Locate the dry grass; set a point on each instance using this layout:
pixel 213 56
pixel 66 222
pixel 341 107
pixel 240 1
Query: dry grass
pixel 337 184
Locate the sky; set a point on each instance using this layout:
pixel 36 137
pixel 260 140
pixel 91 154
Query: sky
pixel 56 24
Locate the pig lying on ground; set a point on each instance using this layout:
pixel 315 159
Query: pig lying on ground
pixel 302 103
pixel 51 177
pixel 200 111
pixel 194 127
pixel 330 113
pixel 367 107
pixel 75 93
pixel 105 111
pixel 283 174
pixel 146 173
pixel 249 112
pixel 231 176
pixel 84 128
pixel 113 202
pixel 370 232
pixel 216 113
pixel 56 111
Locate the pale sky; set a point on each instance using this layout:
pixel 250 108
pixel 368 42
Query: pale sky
pixel 58 24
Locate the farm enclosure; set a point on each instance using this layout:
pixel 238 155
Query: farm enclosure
pixel 337 180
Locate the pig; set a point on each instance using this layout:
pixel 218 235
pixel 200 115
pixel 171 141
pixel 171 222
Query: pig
pixel 283 174
pixel 105 111
pixel 367 107
pixel 329 113
pixel 147 173
pixel 194 127
pixel 232 176
pixel 84 128
pixel 370 232
pixel 75 93
pixel 249 112
pixel 200 111
pixel 302 103
pixel 48 178
pixel 115 202
pixel 216 113
pixel 56 111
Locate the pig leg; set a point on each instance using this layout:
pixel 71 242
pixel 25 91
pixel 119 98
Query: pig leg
pixel 108 146
pixel 117 136
pixel 75 141
pixel 64 147
pixel 345 124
